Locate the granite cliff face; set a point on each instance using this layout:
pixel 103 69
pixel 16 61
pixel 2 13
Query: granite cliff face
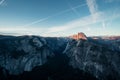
pixel 59 58
pixel 95 59
pixel 78 36
pixel 18 54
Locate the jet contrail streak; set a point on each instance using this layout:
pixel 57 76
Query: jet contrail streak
pixel 43 19
pixel 35 22
pixel 71 7
pixel 67 10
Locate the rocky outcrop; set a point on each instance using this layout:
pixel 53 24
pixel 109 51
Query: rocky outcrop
pixel 78 36
pixel 18 54
pixel 22 54
pixel 96 59
pixel 54 55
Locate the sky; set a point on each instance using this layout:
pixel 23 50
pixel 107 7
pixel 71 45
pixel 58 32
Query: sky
pixel 60 17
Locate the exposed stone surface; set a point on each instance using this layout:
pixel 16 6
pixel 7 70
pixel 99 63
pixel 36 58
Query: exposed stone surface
pixel 98 57
pixel 78 36
pixel 18 54
pixel 95 59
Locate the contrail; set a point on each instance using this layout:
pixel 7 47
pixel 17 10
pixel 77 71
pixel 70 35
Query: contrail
pixel 35 22
pixel 46 18
pixel 71 7
pixel 67 10
pixel 1 2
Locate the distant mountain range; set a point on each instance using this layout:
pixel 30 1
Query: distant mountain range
pixel 106 37
pixel 59 58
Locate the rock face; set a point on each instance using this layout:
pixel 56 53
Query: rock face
pixel 57 44
pixel 56 57
pixel 96 59
pixel 18 54
pixel 78 36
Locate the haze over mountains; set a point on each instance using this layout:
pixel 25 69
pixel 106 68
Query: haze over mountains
pixel 59 58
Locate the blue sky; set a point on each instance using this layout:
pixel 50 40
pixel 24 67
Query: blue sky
pixel 60 17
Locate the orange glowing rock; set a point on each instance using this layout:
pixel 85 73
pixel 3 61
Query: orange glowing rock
pixel 78 36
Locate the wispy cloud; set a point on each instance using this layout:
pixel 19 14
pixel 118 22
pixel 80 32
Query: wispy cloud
pixel 86 21
pixel 64 29
pixel 92 5
pixel 54 15
pixel 1 2
pixel 93 8
pixel 95 17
